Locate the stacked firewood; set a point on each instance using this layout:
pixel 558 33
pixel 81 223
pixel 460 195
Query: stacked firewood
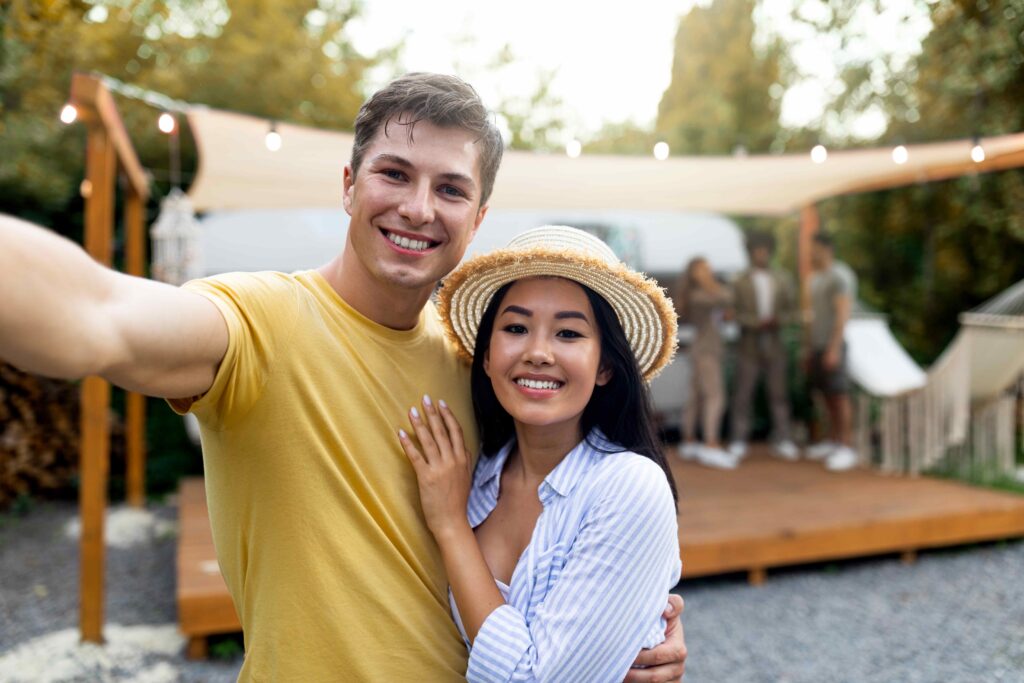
pixel 39 435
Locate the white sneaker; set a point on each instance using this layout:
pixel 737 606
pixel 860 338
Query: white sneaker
pixel 842 459
pixel 716 457
pixel 688 450
pixel 738 449
pixel 786 450
pixel 821 450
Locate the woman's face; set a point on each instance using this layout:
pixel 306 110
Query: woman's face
pixel 545 353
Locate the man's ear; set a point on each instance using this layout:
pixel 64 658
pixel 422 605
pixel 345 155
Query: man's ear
pixel 479 219
pixel 604 375
pixel 348 181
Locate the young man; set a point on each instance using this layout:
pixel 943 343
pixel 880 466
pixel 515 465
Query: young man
pixel 764 302
pixel 299 382
pixel 831 303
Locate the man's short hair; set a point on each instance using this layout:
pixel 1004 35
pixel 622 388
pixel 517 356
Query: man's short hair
pixel 446 102
pixel 757 240
pixel 825 240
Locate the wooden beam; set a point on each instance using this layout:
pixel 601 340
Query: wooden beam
pixel 101 168
pixel 809 225
pixel 135 404
pixel 96 107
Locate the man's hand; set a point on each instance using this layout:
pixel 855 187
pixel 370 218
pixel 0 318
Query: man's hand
pixel 667 662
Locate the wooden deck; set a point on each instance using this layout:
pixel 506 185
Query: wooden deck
pixel 204 605
pixel 771 513
pixel 768 513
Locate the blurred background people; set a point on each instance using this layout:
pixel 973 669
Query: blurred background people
pixel 702 302
pixel 831 290
pixel 764 302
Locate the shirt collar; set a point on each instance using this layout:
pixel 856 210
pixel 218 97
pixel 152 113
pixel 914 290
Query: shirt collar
pixel 561 480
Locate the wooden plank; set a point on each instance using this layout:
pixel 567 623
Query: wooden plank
pixel 135 404
pixel 204 604
pixel 94 461
pixel 95 398
pixel 97 108
pixel 771 513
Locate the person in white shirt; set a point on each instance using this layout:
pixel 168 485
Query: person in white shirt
pixel 765 302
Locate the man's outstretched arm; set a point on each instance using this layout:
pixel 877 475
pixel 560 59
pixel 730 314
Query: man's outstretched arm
pixel 64 315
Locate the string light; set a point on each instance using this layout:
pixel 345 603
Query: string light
pixel 273 139
pixel 68 114
pixel 900 154
pixel 819 154
pixel 661 151
pixel 977 151
pixel 166 123
pixel 573 148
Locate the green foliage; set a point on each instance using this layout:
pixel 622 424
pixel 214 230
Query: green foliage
pixel 946 246
pixel 721 94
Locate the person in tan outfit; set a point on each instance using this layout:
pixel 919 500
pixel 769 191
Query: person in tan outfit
pixel 702 301
pixel 765 300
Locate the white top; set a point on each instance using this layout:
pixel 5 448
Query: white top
pixel 588 592
pixel 763 291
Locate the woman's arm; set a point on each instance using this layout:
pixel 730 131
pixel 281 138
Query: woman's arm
pixel 444 471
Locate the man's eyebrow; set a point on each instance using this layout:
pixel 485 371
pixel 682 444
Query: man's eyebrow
pixel 562 315
pixel 518 309
pixel 459 178
pixel 393 159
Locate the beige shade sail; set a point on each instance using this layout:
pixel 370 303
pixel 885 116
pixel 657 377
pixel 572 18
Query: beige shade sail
pixel 236 171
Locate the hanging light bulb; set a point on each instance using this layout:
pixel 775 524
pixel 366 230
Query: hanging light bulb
pixel 819 154
pixel 900 154
pixel 661 151
pixel 68 114
pixel 273 139
pixel 977 151
pixel 166 123
pixel 573 148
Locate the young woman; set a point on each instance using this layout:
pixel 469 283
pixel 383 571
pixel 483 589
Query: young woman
pixel 562 546
pixel 702 300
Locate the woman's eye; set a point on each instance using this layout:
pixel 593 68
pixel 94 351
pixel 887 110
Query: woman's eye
pixel 569 334
pixel 515 329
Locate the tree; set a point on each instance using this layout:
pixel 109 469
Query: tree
pixel 720 96
pixel 949 245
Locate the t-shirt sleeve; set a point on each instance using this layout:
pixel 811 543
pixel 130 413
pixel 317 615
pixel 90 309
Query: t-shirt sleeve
pixel 259 310
pixel 607 598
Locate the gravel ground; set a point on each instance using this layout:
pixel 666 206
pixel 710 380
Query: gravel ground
pixel 954 617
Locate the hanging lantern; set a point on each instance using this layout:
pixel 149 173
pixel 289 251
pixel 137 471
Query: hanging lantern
pixel 175 240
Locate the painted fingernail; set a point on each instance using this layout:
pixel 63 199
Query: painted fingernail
pixel 426 400
pixel 415 413
pixel 443 404
pixel 402 434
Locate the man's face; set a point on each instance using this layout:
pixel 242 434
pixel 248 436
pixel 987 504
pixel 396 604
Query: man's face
pixel 821 256
pixel 415 204
pixel 761 256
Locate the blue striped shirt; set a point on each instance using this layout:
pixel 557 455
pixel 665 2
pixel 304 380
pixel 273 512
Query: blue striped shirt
pixel 588 592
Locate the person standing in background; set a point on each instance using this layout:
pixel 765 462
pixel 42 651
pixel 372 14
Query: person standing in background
pixel 702 301
pixel 764 302
pixel 825 360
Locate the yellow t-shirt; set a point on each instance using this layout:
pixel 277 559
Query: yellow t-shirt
pixel 314 505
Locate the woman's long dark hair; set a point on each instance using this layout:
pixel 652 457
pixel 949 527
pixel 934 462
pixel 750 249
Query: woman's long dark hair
pixel 621 408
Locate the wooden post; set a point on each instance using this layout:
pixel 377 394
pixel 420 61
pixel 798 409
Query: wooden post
pixel 135 404
pixel 809 224
pixel 101 166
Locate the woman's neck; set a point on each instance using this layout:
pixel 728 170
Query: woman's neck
pixel 540 449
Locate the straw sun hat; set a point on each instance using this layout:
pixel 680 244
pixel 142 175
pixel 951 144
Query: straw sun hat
pixel 644 311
